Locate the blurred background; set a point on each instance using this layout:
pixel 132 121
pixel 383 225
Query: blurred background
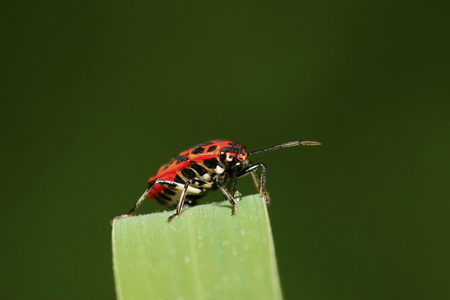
pixel 97 95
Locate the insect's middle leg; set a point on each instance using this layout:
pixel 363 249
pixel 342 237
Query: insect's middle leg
pixel 180 202
pixel 261 185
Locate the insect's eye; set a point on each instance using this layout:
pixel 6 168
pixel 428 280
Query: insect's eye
pixel 223 154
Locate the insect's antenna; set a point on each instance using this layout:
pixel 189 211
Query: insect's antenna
pixel 285 145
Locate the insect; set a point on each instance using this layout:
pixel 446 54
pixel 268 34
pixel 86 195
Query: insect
pixel 207 166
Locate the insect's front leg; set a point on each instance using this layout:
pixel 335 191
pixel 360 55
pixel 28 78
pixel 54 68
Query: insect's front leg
pixel 261 185
pixel 218 181
pixel 236 194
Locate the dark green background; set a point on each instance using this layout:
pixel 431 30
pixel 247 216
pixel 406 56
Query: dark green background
pixel 96 95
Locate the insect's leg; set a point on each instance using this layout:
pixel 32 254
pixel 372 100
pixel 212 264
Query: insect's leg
pixel 236 194
pixel 227 194
pixel 262 184
pixel 253 172
pixel 230 183
pixel 234 182
pixel 180 202
pixel 171 184
pixel 144 195
pixel 256 180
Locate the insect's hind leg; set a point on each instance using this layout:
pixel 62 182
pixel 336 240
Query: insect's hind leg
pixel 151 184
pixel 260 184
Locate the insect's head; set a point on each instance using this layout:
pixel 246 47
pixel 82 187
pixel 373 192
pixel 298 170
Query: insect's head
pixel 233 155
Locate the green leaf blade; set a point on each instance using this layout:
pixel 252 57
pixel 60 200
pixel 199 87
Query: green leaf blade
pixel 203 254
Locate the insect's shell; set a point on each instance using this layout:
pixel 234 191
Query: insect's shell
pixel 200 163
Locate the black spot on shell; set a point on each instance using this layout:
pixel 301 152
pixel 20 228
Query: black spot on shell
pixel 229 150
pixel 198 150
pixel 181 158
pixel 211 148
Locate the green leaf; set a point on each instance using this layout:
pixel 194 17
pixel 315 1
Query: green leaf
pixel 203 254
